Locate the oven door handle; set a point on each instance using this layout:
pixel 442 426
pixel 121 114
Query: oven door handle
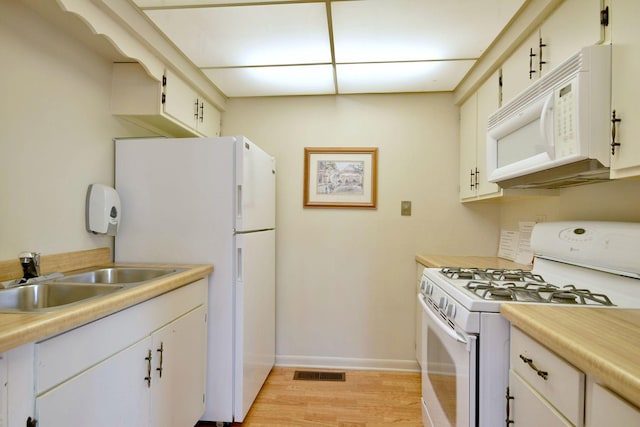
pixel 444 328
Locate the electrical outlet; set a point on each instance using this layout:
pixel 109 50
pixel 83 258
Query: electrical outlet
pixel 405 208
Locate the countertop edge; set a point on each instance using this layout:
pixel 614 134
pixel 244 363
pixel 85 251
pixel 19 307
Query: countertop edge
pixel 468 261
pixel 17 329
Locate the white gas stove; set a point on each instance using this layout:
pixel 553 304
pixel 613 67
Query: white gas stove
pixel 595 264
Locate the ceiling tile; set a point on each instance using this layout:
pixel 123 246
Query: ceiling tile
pixel 273 81
pixel 401 76
pixel 274 34
pixel 404 30
pixel 171 3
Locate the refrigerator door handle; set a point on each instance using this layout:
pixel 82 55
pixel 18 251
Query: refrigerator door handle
pixel 240 265
pixel 239 201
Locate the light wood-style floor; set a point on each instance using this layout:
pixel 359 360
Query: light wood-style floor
pixel 366 398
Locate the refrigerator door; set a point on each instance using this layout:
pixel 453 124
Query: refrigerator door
pixel 255 187
pixel 255 317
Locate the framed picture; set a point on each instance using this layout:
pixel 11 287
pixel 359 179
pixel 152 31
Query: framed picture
pixel 340 177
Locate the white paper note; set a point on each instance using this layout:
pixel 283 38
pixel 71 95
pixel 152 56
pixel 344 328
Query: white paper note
pixel 508 244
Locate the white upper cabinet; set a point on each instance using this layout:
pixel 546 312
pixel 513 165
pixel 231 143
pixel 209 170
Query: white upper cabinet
pixel 169 107
pixel 573 25
pixel 625 91
pixel 473 134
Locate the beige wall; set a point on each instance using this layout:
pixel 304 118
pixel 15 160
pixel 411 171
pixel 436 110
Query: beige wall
pixel 610 201
pixel 55 135
pixel 346 278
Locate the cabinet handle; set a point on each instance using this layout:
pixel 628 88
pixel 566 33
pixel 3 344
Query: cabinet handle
pixel 531 70
pixel 161 351
pixel 201 112
pixel 471 179
pixel 543 374
pixel 32 422
pixel 540 46
pixel 508 420
pixel 195 114
pixel 476 178
pixel 614 124
pixel 148 377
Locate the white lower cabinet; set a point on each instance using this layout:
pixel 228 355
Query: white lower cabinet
pixel 528 408
pixel 178 376
pixel 606 409
pixel 142 366
pixel 111 393
pixel 544 390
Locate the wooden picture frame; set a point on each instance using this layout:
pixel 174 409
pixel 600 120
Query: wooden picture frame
pixel 340 177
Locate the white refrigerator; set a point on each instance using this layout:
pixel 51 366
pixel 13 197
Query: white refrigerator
pixel 209 200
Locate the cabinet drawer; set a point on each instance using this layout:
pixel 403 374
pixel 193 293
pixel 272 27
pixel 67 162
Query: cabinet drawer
pixel 552 377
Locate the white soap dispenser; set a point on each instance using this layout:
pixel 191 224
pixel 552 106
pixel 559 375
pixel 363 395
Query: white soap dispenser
pixel 102 210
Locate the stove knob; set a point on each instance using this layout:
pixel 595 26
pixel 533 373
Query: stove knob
pixel 442 303
pixel 429 288
pixel 451 311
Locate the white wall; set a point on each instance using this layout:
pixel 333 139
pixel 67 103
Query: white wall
pixel 346 278
pixel 55 135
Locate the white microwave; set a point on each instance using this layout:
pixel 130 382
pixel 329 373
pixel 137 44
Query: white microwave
pixel 556 132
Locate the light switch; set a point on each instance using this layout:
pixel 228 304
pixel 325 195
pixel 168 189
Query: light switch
pixel 405 208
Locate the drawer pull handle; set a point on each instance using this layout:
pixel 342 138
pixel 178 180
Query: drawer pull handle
pixel 528 361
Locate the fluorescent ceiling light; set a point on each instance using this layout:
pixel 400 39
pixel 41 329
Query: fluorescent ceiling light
pixel 274 81
pixel 401 76
pixel 274 34
pixel 414 30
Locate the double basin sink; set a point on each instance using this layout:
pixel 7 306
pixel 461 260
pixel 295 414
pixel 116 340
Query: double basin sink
pixel 53 294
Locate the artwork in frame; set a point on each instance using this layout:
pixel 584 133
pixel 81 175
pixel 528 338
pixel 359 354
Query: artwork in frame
pixel 340 177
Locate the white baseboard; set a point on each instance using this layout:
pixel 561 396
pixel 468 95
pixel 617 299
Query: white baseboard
pixel 319 362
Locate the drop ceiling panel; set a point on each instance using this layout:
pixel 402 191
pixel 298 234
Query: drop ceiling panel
pixel 274 81
pixel 432 76
pixel 274 34
pixel 187 3
pixel 403 30
pixel 284 47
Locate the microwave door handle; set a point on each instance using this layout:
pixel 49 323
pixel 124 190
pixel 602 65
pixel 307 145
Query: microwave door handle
pixel 439 322
pixel 547 108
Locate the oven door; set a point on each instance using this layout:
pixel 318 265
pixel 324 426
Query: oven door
pixel 449 372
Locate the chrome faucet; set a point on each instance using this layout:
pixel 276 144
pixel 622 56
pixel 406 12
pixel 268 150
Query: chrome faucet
pixel 30 265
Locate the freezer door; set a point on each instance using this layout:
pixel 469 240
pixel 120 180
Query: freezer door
pixel 254 317
pixel 255 187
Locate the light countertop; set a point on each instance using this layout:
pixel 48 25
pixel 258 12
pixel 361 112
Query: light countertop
pixel 17 329
pixel 603 342
pixel 468 262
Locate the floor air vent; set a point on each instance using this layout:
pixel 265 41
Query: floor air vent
pixel 319 376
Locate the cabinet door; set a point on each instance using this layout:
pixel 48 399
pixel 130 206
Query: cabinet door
pixel 180 100
pixel 468 129
pixel 95 397
pixel 572 26
pixel 179 371
pixel 529 409
pixel 208 122
pixel 608 409
pixel 515 70
pixel 487 104
pixel 625 40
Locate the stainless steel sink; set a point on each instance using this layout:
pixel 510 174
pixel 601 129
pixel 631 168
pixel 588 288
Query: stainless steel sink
pixel 119 275
pixel 48 296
